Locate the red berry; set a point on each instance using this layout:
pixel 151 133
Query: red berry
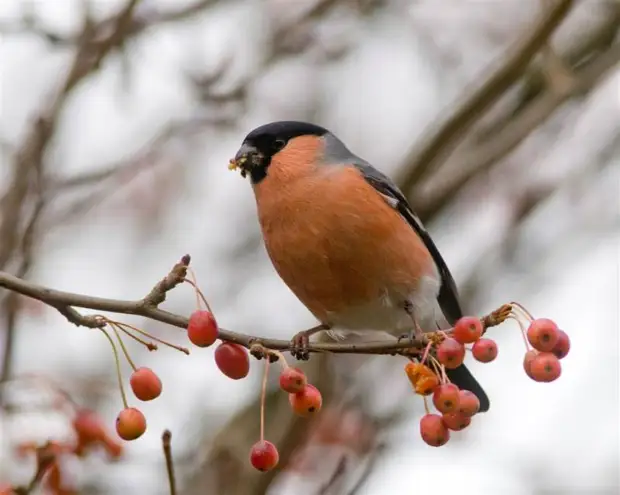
pixel 451 353
pixel 562 346
pixel 484 350
pixel 545 367
pixel 543 334
pixel 468 403
pixel 202 329
pixel 264 456
pixel 145 384
pixel 307 402
pixel 446 398
pixel 232 360
pixel 456 421
pixel 527 362
pixel 88 426
pixel 292 380
pixel 130 424
pixel 434 432
pixel 467 330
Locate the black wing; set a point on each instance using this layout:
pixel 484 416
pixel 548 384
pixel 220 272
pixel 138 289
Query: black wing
pixel 448 296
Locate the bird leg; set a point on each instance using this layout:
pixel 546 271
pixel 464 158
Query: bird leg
pixel 416 332
pixel 299 342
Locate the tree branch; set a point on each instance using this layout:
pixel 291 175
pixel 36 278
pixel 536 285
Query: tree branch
pixel 444 139
pixel 64 302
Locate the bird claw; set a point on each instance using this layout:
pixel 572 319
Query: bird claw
pixel 299 346
pixel 414 335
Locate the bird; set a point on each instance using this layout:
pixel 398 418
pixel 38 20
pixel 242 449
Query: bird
pixel 345 240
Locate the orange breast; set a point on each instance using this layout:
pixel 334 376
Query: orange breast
pixel 335 241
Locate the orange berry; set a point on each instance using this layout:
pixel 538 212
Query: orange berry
pixel 456 421
pixel 232 360
pixel 546 367
pixel 6 489
pixel 202 329
pixel 484 350
pixel 308 402
pixel 468 403
pixel 292 380
pixel 451 353
pixel 264 456
pixel 562 346
pixel 433 431
pixel 130 424
pixel 543 334
pixel 467 330
pixel 446 398
pixel 145 384
pixel 426 384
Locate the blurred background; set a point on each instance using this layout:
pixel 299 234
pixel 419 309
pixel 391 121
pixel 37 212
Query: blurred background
pixel 500 120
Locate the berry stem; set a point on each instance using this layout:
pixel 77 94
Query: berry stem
pixel 193 282
pixel 122 344
pixel 426 351
pixel 124 326
pixel 199 293
pixel 440 369
pixel 151 346
pixel 262 400
pixel 118 367
pixel 281 358
pixel 523 333
pixel 527 314
pixel 428 411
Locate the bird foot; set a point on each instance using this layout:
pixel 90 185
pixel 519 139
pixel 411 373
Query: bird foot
pixel 299 342
pixel 414 335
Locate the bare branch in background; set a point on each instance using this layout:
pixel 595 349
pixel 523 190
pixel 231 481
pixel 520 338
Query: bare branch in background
pixel 28 166
pixel 436 148
pixel 430 199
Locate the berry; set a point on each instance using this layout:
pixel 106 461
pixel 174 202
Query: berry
pixel 434 432
pixel 467 330
pixel 145 384
pixel 451 353
pixel 202 329
pixel 484 350
pixel 264 456
pixel 468 403
pixel 456 421
pixel 232 360
pixel 130 424
pixel 545 367
pixel 562 346
pixel 446 398
pixel 292 380
pixel 426 384
pixel 88 427
pixel 307 402
pixel 543 334
pixel 527 362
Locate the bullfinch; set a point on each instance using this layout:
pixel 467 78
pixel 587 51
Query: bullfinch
pixel 345 240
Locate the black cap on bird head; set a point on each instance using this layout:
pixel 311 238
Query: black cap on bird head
pixel 261 144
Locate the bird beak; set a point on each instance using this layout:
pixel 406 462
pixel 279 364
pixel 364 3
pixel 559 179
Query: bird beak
pixel 245 159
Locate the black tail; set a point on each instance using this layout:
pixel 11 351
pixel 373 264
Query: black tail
pixel 463 379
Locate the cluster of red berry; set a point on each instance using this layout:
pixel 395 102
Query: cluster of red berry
pixel 89 432
pixel 233 361
pixel 305 400
pixel 457 407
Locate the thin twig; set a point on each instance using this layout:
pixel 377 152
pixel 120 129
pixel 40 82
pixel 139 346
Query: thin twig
pixel 165 441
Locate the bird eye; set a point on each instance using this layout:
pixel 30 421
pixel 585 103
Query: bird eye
pixel 278 144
